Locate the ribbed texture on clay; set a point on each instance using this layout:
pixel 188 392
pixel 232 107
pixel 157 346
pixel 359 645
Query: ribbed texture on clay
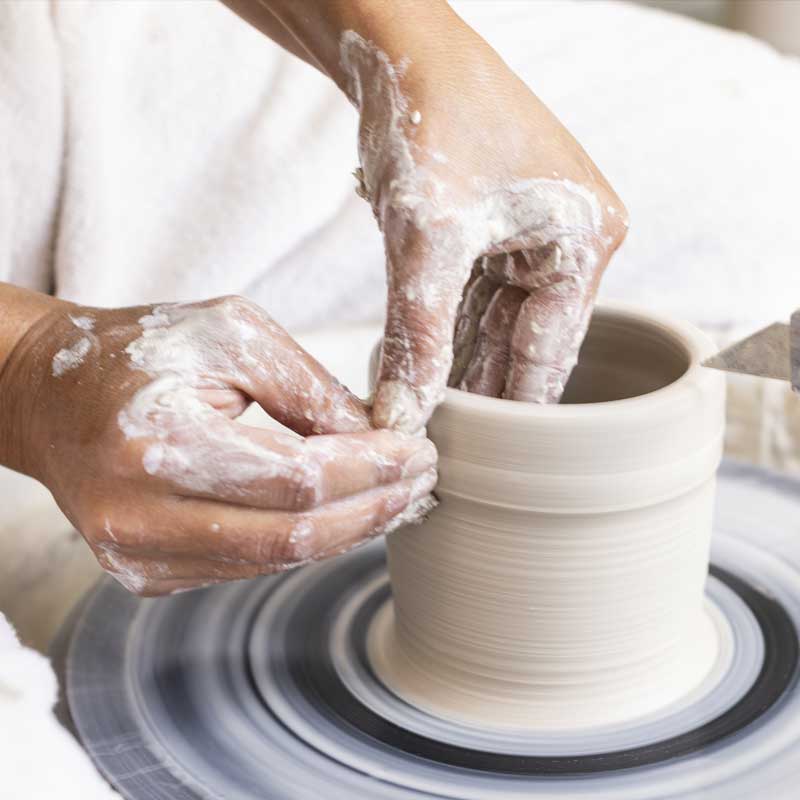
pixel 560 584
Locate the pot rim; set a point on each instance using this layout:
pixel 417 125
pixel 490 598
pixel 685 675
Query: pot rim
pixel 698 347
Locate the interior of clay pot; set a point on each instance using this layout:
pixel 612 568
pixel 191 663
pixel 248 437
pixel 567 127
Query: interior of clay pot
pixel 625 356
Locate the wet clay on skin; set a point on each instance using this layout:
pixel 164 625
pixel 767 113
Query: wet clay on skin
pixel 435 232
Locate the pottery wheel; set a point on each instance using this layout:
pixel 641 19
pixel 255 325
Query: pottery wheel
pixel 263 689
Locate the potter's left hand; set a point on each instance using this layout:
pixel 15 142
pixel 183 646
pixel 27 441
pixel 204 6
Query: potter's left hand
pixel 130 417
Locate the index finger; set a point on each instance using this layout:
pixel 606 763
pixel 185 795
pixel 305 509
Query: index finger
pixel 547 336
pixel 226 461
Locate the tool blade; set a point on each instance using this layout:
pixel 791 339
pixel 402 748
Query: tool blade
pixel 766 354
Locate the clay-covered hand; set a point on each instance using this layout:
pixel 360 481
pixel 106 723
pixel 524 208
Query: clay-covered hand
pixel 129 418
pixel 475 184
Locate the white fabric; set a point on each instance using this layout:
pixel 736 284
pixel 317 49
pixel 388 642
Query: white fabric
pixel 196 158
pixel 39 759
pixel 164 151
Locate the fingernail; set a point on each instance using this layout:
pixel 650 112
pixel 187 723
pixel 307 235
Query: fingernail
pixel 422 459
pixel 396 407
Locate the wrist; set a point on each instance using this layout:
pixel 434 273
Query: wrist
pixel 20 310
pixel 25 317
pixel 405 30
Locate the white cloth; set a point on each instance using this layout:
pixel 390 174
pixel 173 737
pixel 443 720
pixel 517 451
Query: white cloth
pixel 165 151
pixel 169 151
pixel 39 759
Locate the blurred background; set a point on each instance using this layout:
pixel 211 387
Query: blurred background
pixel 775 21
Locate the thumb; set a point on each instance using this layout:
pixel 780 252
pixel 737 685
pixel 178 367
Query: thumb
pixel 425 282
pixel 286 381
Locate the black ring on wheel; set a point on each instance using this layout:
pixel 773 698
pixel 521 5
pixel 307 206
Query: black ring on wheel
pixel 315 677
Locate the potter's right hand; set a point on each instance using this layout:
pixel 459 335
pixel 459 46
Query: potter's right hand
pixel 466 170
pixel 128 417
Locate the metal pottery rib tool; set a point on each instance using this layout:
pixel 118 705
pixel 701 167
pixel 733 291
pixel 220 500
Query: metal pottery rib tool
pixel 773 352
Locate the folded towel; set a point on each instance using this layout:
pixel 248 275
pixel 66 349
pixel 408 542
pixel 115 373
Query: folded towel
pixel 40 759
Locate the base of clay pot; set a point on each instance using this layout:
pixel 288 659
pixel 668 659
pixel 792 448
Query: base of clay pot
pixel 548 707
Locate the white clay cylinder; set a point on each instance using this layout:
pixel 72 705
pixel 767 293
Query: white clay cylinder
pixel 560 584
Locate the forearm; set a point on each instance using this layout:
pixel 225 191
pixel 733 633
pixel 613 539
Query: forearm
pixel 403 29
pixel 20 311
pixel 257 14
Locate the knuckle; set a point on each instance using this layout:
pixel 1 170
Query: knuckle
pixel 104 531
pixel 494 267
pixel 143 578
pixel 151 588
pixel 234 302
pixel 241 317
pixel 124 571
pixel 618 230
pixel 234 305
pixel 296 545
pixel 616 220
pixel 96 527
pixel 306 486
pixel 104 557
